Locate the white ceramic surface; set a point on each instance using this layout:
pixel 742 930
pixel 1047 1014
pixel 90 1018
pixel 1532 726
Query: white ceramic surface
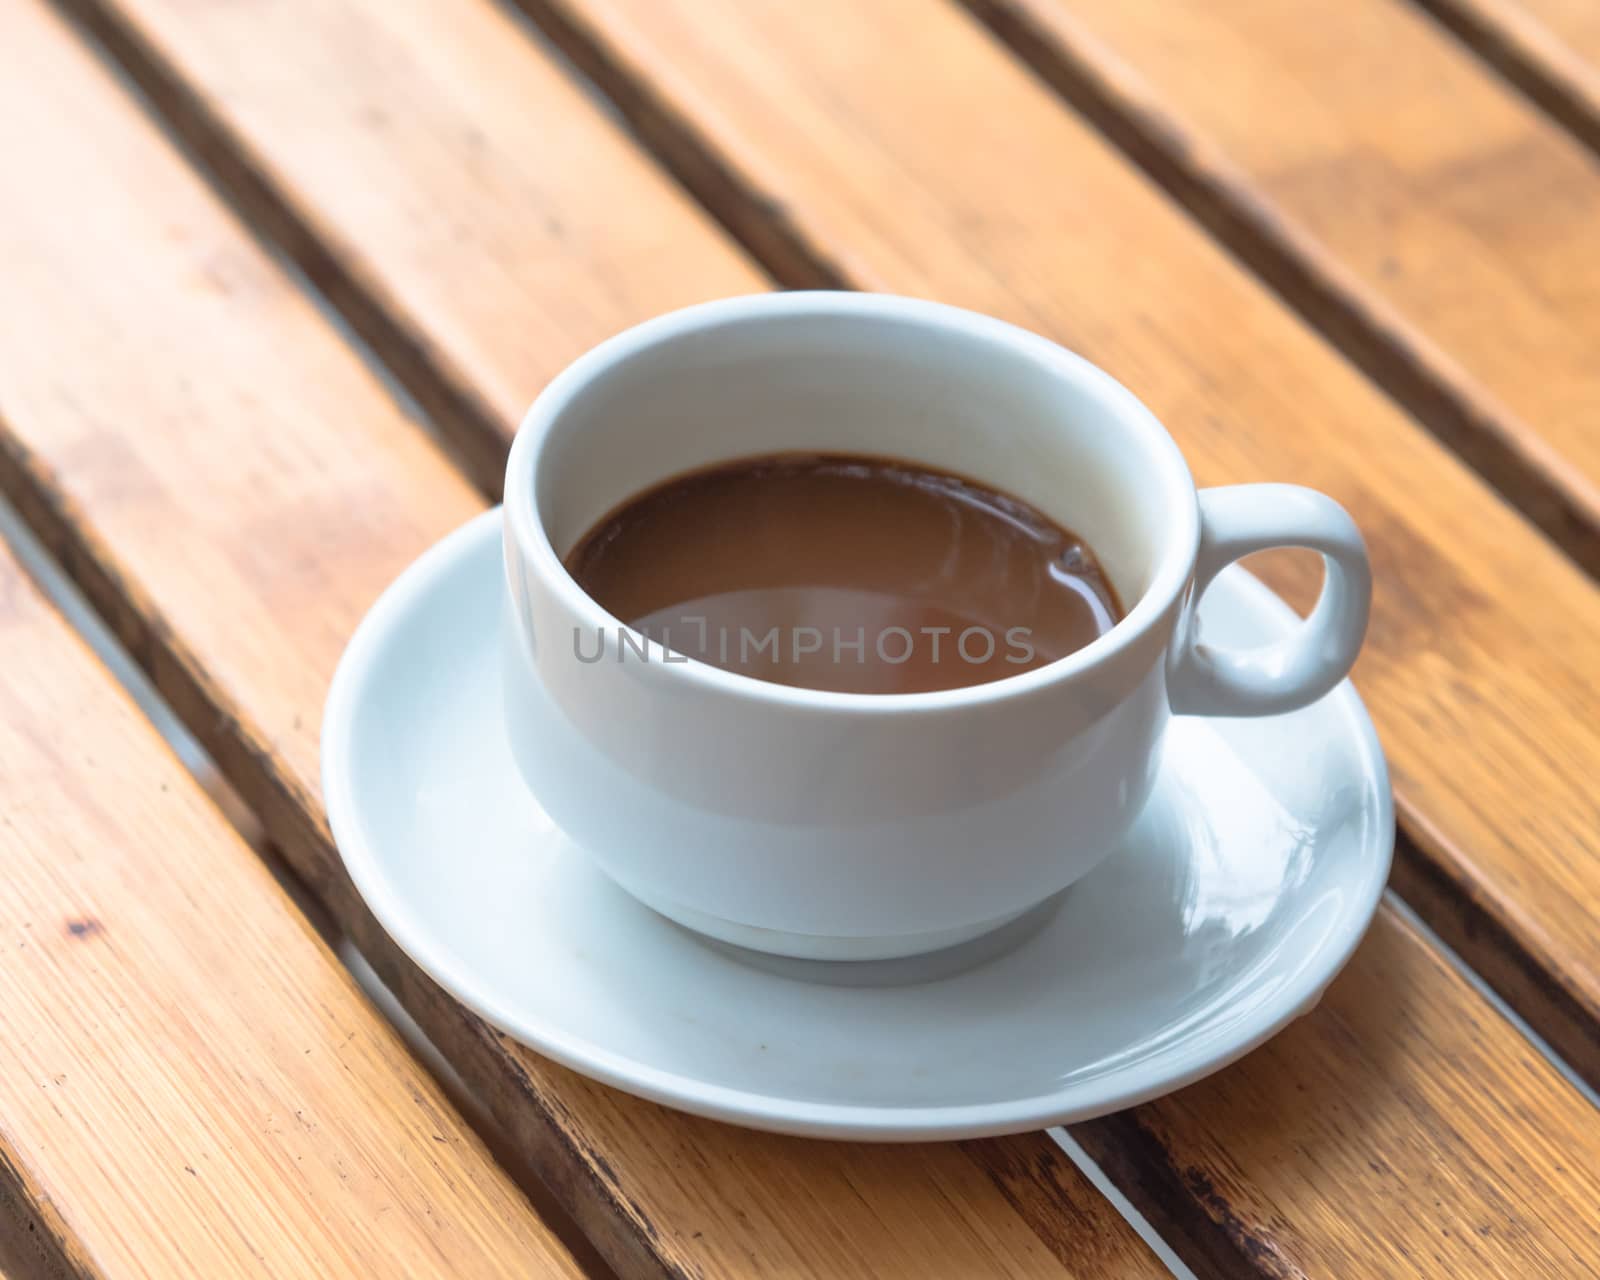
pixel 838 825
pixel 1237 896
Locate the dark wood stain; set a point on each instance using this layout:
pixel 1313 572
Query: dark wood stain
pixel 34 1243
pixel 85 928
pixel 1043 1186
pixel 1525 979
pixel 1184 1204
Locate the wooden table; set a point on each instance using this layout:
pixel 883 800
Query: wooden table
pixel 277 278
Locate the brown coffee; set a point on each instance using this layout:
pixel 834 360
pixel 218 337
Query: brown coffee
pixel 854 574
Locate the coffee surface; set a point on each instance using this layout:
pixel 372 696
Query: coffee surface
pixel 853 574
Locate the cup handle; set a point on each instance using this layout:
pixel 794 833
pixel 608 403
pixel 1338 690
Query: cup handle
pixel 1234 521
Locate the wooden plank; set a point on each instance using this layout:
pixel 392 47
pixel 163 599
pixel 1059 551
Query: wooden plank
pixel 482 157
pixel 1439 228
pixel 1550 49
pixel 1018 210
pixel 190 1083
pixel 1365 1115
pixel 1576 22
pixel 233 487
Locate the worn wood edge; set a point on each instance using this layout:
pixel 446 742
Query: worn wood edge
pixel 580 1178
pixel 35 1244
pixel 1530 57
pixel 1548 1006
pixel 470 429
pixel 1180 1204
pixel 1371 332
pixel 761 225
pixel 1027 1171
pixel 1505 958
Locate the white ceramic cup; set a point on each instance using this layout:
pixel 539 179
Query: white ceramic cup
pixel 857 826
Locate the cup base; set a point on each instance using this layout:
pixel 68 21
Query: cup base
pixel 826 948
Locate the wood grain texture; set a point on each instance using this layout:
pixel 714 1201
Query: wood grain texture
pixel 232 487
pixel 430 131
pixel 1018 210
pixel 1413 207
pixel 1364 1179
pixel 1550 49
pixel 190 1083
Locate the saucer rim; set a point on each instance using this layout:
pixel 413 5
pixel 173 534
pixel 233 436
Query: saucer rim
pixel 1112 1091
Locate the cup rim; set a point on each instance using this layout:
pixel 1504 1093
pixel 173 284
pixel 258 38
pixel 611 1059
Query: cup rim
pixel 1172 570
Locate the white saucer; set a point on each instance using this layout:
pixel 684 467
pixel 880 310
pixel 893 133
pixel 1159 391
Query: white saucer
pixel 1242 891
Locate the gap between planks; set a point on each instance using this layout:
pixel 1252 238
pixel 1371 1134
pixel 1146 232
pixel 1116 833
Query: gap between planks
pixel 361 311
pixel 34 1243
pixel 271 797
pixel 1372 332
pixel 1557 79
pixel 43 1240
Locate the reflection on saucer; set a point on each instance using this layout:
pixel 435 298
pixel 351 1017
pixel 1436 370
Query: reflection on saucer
pixel 1239 894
